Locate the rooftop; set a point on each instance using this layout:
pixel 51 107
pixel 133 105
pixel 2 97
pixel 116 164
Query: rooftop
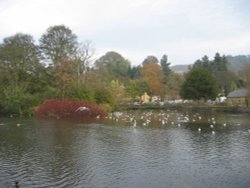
pixel 238 93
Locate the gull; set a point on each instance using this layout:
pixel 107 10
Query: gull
pixel 134 125
pixel 82 108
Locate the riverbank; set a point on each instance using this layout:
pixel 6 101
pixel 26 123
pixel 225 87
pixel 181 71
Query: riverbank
pixel 191 107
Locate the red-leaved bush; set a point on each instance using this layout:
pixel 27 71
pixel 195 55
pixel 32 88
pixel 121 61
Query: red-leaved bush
pixel 68 108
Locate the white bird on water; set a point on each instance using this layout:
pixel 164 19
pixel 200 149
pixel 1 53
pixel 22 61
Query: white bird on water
pixel 213 132
pixel 199 129
pixel 211 126
pixel 134 125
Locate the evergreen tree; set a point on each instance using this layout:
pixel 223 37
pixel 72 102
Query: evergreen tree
pixel 165 65
pixel 199 84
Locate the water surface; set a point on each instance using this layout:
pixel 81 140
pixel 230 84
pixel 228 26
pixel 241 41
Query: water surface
pixel 165 149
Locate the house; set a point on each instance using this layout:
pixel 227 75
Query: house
pixel 239 97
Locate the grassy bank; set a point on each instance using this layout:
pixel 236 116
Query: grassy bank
pixel 192 107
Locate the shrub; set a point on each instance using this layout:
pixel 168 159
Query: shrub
pixel 68 108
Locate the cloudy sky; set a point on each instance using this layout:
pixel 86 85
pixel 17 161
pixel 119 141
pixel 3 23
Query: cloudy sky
pixel 185 30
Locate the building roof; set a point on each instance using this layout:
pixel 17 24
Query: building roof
pixel 238 93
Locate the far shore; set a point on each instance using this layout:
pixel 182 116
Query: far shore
pixel 192 107
pixel 186 107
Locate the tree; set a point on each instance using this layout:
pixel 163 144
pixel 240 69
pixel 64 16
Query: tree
pixel 150 60
pixel 82 61
pixel 199 84
pixel 219 63
pixel 204 62
pixel 245 74
pixel 69 59
pixel 152 73
pixel 134 72
pixel 18 57
pixel 135 88
pixel 173 87
pixel 112 65
pixel 21 74
pixel 16 99
pixel 226 80
pixel 58 44
pixel 165 65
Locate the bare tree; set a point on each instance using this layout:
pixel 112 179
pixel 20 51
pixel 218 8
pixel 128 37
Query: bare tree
pixel 83 60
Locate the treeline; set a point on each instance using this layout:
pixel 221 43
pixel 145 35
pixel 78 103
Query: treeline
pixel 61 67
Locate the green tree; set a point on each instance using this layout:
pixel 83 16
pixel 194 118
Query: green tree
pixel 69 59
pixel 199 84
pixel 134 72
pixel 112 65
pixel 204 62
pixel 18 58
pixel 135 88
pixel 245 75
pixel 16 100
pixel 226 80
pixel 165 65
pixel 58 44
pixel 22 75
pixel 219 63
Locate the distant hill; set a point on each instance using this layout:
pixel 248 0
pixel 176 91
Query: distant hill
pixel 236 64
pixel 180 68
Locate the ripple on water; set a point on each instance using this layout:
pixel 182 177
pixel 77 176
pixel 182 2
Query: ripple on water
pixel 96 155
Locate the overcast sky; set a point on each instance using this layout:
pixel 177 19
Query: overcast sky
pixel 185 30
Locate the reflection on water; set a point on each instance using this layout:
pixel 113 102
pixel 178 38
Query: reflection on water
pixel 165 149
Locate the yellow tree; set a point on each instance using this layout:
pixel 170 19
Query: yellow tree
pixel 152 73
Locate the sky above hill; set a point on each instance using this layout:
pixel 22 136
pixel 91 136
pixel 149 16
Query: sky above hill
pixel 185 30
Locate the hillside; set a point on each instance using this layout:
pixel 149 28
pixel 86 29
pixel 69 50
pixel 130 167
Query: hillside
pixel 236 64
pixel 180 68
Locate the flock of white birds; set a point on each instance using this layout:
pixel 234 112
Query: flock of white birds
pixel 168 118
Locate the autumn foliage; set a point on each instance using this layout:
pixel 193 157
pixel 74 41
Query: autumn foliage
pixel 68 108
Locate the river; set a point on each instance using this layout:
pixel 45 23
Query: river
pixel 159 149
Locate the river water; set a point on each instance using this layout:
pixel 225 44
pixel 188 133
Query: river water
pixel 131 149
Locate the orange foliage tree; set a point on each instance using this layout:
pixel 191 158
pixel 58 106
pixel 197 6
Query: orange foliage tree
pixel 152 73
